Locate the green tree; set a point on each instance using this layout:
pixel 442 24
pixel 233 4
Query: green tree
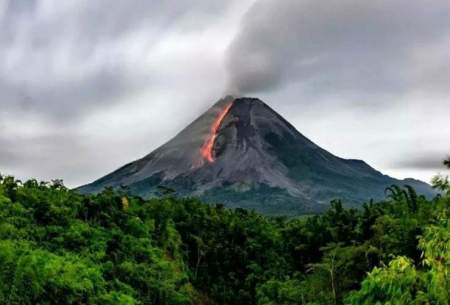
pixel 401 283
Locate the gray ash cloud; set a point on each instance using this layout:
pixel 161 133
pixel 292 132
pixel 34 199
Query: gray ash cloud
pixel 349 46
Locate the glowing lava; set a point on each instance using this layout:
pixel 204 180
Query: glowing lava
pixel 207 148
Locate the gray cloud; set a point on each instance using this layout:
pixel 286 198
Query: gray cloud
pixel 63 99
pixel 338 46
pixel 62 59
pixel 423 161
pixel 55 154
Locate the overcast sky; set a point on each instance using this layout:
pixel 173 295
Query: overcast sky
pixel 87 86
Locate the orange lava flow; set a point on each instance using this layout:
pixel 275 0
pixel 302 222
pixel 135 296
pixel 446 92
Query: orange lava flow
pixel 207 148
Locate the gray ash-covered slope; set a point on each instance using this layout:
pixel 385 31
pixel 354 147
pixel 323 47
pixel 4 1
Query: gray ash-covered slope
pixel 243 154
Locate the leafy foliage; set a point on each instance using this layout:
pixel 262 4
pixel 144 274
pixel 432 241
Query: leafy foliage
pixel 60 247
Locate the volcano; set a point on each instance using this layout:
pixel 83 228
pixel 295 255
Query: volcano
pixel 241 153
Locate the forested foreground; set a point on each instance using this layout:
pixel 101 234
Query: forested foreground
pixel 59 247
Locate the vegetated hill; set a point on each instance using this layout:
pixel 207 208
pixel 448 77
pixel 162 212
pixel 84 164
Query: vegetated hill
pixel 58 247
pixel 243 154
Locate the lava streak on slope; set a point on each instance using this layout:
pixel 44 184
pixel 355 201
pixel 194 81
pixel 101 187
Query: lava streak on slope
pixel 207 149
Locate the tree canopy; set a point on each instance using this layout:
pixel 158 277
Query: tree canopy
pixel 61 247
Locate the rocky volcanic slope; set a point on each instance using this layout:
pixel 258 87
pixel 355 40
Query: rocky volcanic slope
pixel 243 154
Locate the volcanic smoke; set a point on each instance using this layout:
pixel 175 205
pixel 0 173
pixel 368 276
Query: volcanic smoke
pixel 207 148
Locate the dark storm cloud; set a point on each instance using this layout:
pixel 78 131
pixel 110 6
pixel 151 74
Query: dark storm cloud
pixel 367 47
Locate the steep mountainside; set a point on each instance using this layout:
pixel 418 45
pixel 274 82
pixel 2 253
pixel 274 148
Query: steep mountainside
pixel 243 154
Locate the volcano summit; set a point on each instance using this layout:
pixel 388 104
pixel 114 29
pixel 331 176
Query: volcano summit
pixel 243 154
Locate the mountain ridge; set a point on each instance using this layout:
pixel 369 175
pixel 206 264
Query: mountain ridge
pixel 242 153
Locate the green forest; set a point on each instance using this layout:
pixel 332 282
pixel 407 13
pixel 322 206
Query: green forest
pixel 59 247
